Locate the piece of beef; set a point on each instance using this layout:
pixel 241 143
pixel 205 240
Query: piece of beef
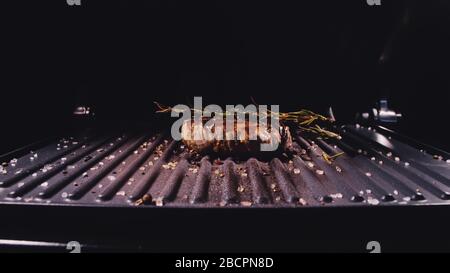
pixel 240 145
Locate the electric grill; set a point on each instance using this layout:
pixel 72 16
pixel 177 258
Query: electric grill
pixel 144 171
pixel 377 168
pixel 115 186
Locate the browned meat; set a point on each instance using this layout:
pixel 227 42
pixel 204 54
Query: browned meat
pixel 234 147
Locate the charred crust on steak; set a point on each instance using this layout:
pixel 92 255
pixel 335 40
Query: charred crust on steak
pixel 243 146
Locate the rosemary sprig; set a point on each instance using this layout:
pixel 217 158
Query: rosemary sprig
pixel 306 120
pixel 329 158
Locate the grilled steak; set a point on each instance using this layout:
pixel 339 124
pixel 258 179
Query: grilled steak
pixel 243 143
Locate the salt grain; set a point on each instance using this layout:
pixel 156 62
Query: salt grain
pixel 45 184
pixel 111 177
pixel 320 172
pixel 159 202
pixel 240 189
pixel 246 203
pixel 46 168
pixel 121 193
pixel 406 164
pixel 193 170
pixel 389 154
pixel 310 164
pixel 296 171
pixel 13 162
pixel 368 174
pixel 397 159
pixel 373 201
pixel 336 196
pixel 64 195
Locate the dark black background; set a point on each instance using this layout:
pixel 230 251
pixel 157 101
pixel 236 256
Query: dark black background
pixel 119 56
